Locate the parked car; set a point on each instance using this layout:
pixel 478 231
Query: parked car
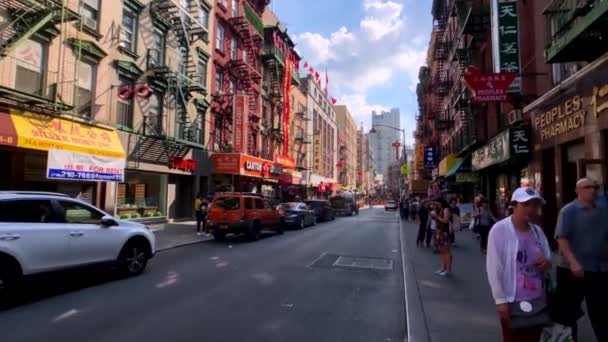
pixel 243 213
pixel 345 203
pixel 390 205
pixel 323 210
pixel 298 215
pixel 42 232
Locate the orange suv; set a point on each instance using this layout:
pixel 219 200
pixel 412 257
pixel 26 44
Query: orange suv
pixel 248 213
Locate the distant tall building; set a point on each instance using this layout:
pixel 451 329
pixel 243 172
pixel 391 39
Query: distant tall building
pixel 381 141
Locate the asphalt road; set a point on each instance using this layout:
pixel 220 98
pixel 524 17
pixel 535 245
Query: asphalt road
pixel 310 285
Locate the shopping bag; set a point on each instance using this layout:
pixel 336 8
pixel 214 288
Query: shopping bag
pixel 557 333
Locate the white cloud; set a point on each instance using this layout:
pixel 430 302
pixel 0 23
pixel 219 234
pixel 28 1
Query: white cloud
pixel 380 52
pixel 383 17
pixel 360 108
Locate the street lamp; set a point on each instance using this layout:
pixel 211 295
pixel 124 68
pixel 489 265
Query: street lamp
pixel 373 130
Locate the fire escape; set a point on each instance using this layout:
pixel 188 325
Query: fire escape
pixel 440 77
pixel 23 19
pixel 186 80
pixel 473 21
pixel 248 72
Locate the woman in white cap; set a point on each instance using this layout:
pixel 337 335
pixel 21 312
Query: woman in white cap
pixel 517 260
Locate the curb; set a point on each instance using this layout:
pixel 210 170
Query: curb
pixel 185 244
pixel 416 325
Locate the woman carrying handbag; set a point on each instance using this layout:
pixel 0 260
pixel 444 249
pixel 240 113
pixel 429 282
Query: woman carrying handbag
pixel 517 262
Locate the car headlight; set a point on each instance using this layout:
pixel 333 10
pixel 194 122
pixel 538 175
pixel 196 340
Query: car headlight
pixel 292 216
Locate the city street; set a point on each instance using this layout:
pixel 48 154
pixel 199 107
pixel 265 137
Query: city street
pixel 336 281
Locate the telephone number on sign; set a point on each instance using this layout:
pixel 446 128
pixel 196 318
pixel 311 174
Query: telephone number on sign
pixel 93 176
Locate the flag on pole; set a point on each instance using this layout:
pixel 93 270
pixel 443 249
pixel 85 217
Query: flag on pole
pixel 333 101
pixel 305 65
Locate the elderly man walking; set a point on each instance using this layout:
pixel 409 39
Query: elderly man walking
pixel 582 273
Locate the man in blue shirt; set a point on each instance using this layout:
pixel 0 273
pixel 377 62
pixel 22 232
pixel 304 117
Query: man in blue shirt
pixel 582 272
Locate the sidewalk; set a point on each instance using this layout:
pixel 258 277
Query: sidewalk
pixel 459 308
pixel 172 235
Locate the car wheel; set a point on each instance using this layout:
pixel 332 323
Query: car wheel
pixel 314 221
pixel 281 228
pixel 302 224
pixel 254 232
pixel 353 213
pixel 134 258
pixel 9 277
pixel 219 235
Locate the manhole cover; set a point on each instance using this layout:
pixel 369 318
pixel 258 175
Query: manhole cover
pixel 350 262
pixel 364 263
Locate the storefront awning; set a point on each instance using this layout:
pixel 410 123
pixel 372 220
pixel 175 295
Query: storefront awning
pixel 44 132
pixel 455 168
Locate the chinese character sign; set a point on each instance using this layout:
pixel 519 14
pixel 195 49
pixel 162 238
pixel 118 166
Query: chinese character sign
pixel 520 141
pixel 430 156
pixel 494 152
pixel 506 25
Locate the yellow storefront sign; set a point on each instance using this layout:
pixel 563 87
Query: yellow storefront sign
pixel 43 132
pixel 446 164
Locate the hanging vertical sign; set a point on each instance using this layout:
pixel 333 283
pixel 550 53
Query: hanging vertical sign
pixel 286 105
pixel 505 40
pixel 239 123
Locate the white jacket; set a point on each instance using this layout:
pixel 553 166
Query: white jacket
pixel 501 261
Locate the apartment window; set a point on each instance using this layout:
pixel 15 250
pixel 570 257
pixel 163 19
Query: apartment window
pixel 199 124
pixel 89 11
pixel 84 89
pixel 219 37
pixel 125 107
pixel 28 74
pixel 154 118
pixel 202 71
pixel 203 17
pixel 219 77
pixel 233 48
pixel 561 71
pixel 217 134
pixel 233 87
pixel 128 30
pixel 157 52
pixel 235 8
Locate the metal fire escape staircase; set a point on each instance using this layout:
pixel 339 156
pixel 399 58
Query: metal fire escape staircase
pixel 440 75
pixel 250 74
pixel 22 20
pixel 185 81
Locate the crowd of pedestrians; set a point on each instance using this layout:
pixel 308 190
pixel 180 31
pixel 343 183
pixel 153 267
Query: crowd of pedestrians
pixel 534 298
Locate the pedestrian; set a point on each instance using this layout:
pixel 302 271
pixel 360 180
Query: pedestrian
pixel 442 239
pixel 431 225
pixel 413 209
pixel 582 272
pixel 455 222
pixel 198 212
pixel 517 262
pixel 205 212
pixel 404 208
pixel 485 220
pixel 423 215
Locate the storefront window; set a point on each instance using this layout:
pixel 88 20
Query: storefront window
pixel 143 194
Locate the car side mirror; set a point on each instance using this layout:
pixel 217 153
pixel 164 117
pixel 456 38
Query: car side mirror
pixel 108 221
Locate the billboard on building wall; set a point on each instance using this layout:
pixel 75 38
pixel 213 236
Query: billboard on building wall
pixel 240 123
pixel 69 165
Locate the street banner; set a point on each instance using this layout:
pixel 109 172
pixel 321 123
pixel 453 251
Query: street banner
pixel 466 213
pixel 430 157
pixel 76 166
pixel 240 126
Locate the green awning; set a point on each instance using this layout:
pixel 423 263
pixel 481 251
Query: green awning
pixel 455 168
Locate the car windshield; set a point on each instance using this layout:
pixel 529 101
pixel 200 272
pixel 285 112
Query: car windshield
pixel 228 203
pixel 314 204
pixel 291 205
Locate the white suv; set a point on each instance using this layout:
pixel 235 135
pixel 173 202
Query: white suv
pixel 43 232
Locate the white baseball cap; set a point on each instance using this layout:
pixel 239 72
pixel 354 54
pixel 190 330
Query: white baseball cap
pixel 522 195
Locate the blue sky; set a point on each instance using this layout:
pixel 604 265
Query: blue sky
pixel 372 50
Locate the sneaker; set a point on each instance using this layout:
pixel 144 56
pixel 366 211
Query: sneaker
pixel 439 272
pixel 445 274
pixel 199 233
